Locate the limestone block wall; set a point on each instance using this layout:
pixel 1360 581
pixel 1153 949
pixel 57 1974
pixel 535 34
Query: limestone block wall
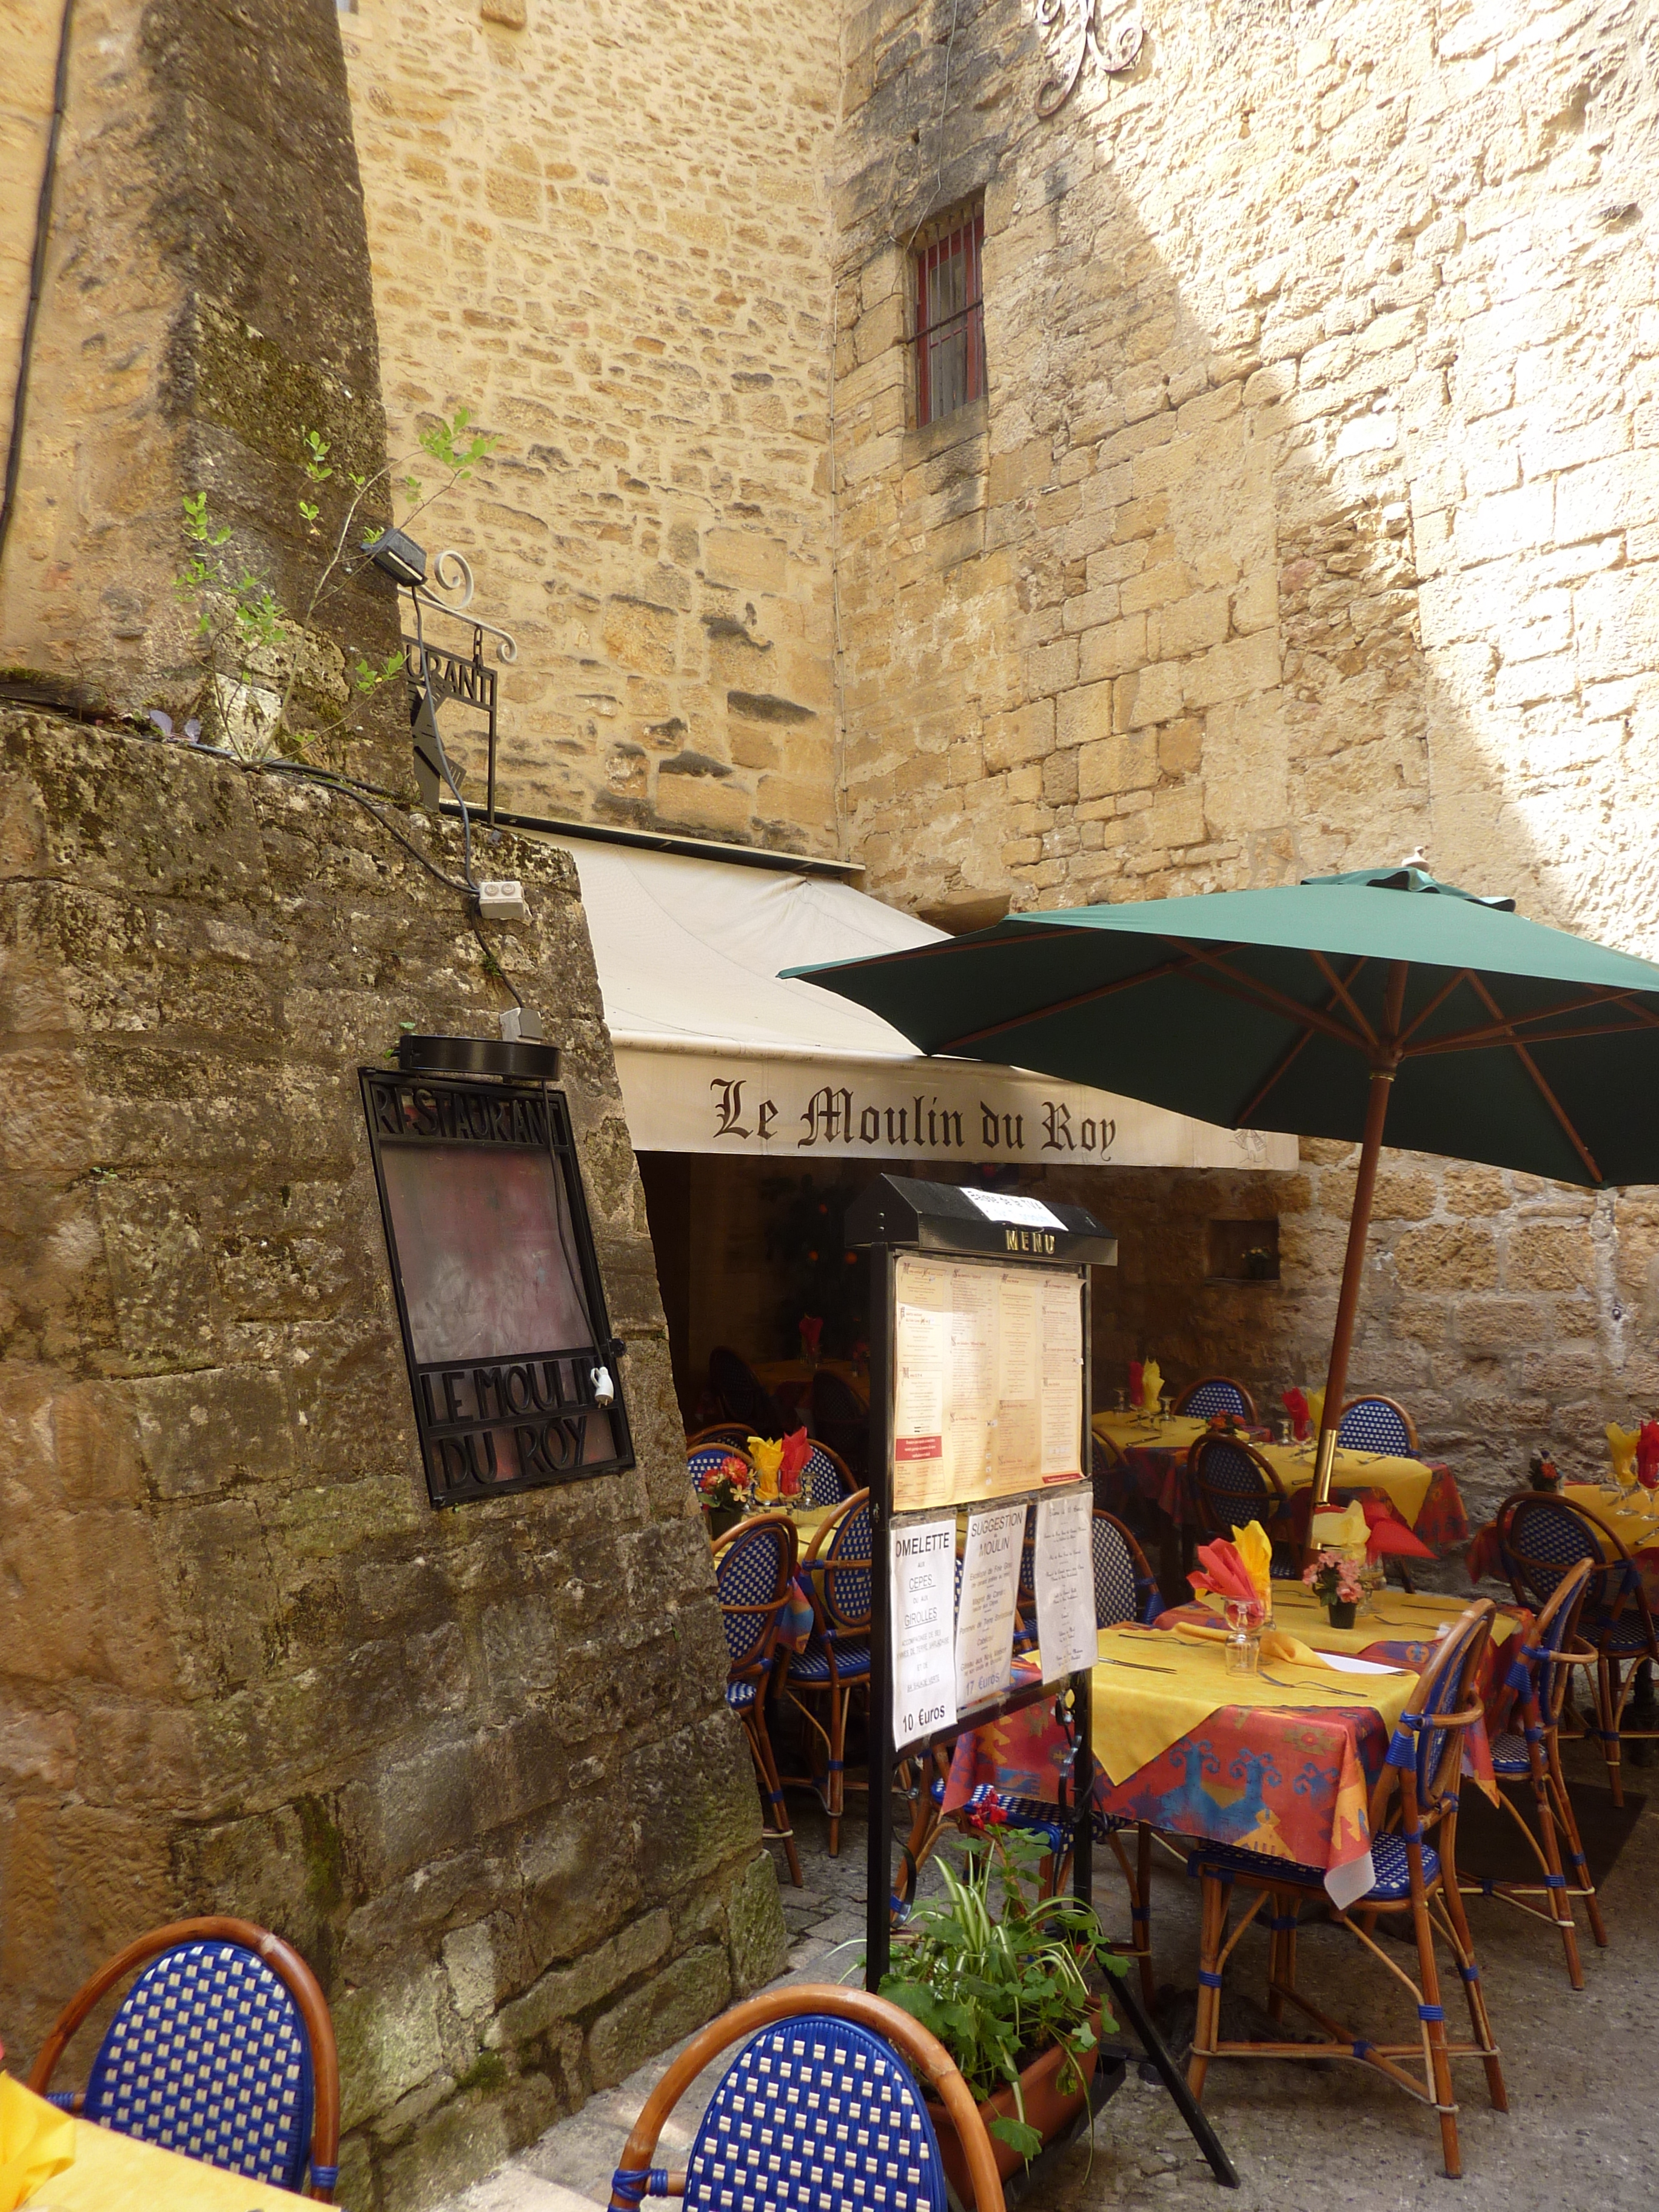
pixel 606 232
pixel 1311 517
pixel 478 1765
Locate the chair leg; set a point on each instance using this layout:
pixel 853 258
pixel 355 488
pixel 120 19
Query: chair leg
pixel 1555 1879
pixel 760 1745
pixel 1434 2030
pixel 1606 1707
pixel 837 1746
pixel 1211 1932
pixel 1470 1970
pixel 1562 1798
pixel 1140 1910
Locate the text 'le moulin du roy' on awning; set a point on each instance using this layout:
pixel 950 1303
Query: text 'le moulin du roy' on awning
pixel 716 1053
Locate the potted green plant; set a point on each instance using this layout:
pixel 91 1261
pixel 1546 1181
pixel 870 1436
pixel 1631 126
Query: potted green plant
pixel 1334 1581
pixel 1015 1995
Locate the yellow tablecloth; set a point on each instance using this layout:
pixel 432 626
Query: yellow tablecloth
pixel 1637 1532
pixel 1405 1482
pixel 116 2173
pixel 1139 1710
pixel 1400 1616
pixel 1127 1431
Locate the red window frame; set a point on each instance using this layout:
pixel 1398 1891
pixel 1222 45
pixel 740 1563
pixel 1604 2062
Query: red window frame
pixel 940 390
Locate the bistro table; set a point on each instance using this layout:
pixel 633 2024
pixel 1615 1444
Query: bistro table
pixel 1152 1463
pixel 1637 1528
pixel 789 1380
pixel 118 2173
pixel 1282 1762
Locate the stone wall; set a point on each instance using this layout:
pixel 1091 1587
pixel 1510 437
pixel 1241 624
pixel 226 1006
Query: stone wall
pixel 199 314
pixel 1311 517
pixel 605 233
pixel 476 1765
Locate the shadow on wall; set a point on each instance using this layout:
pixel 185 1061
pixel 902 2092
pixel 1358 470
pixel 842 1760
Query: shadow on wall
pixel 1310 526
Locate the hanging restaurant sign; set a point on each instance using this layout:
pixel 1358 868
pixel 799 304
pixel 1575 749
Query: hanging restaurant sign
pixel 510 1359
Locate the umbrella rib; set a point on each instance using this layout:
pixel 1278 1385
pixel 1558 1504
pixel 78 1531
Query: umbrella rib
pixel 1434 1005
pixel 1502 1030
pixel 1065 1005
pixel 1287 1059
pixel 1498 1036
pixel 1276 1002
pixel 1340 990
pixel 1549 1096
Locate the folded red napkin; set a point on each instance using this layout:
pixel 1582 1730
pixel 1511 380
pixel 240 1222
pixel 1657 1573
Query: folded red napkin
pixel 1135 1373
pixel 1647 1454
pixel 796 1452
pixel 1389 1536
pixel 1295 1403
pixel 1220 1569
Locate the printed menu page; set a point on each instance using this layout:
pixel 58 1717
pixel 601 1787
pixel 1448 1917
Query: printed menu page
pixel 985 1616
pixel 923 1583
pixel 1063 1569
pixel 987 1380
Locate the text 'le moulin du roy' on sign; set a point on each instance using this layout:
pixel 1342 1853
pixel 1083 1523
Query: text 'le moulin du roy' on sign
pixel 835 1117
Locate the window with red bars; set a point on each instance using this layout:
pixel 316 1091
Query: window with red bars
pixel 949 320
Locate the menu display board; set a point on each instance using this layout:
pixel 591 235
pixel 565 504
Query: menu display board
pixel 987 1380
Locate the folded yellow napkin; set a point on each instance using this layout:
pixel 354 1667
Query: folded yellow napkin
pixel 36 2142
pixel 1252 1548
pixel 1623 1443
pixel 1315 1409
pixel 1346 1531
pixel 1152 1385
pixel 768 1459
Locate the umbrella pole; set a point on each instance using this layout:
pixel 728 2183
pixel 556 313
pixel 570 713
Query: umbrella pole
pixel 1353 1268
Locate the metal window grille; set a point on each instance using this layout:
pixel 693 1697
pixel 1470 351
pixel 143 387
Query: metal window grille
pixel 950 320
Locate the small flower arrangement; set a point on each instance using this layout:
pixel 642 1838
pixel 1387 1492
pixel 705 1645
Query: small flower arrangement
pixel 1334 1578
pixel 1226 1425
pixel 726 1483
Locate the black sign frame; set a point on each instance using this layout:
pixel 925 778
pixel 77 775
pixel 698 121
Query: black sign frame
pixel 543 1396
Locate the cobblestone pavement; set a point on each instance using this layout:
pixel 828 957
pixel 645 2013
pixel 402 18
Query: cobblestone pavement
pixel 1583 2129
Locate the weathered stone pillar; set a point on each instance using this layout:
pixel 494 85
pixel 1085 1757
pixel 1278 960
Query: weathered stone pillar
pixel 207 301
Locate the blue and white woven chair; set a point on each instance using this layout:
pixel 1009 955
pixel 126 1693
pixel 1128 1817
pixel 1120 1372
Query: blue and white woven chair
pixel 1216 1394
pixel 1232 1484
pixel 826 1479
pixel 1413 1875
pixel 222 2051
pixel 754 1573
pixel 1540 1535
pixel 836 1661
pixel 1539 1674
pixel 1377 1424
pixel 820 2110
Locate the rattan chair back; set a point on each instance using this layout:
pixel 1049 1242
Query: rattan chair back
pixel 1377 1424
pixel 1217 1393
pixel 222 2050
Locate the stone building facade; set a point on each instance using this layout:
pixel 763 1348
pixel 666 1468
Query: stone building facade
pixel 1311 518
pixel 611 241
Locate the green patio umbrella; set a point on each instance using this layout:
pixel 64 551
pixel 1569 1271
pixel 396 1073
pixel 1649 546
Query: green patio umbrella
pixel 1335 1007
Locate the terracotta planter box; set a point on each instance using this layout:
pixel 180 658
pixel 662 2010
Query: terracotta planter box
pixel 1046 2109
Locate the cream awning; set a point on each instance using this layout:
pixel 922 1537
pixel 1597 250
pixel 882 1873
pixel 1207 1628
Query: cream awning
pixel 716 1053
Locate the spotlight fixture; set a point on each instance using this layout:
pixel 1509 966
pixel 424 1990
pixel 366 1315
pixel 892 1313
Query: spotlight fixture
pixel 399 557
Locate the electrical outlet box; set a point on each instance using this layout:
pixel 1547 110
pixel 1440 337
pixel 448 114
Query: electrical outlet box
pixel 521 1025
pixel 504 901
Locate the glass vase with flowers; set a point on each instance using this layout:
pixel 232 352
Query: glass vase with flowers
pixel 727 1486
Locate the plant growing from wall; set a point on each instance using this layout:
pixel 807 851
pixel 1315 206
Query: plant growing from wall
pixel 272 683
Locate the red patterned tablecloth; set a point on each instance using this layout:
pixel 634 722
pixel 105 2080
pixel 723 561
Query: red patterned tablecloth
pixel 1293 1782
